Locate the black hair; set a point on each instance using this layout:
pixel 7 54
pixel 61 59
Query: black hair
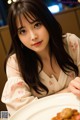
pixel 27 59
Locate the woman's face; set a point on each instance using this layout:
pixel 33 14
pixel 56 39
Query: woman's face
pixel 33 35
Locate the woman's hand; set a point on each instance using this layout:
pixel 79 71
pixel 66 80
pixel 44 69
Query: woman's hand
pixel 74 86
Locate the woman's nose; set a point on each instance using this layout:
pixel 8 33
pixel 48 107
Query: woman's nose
pixel 33 35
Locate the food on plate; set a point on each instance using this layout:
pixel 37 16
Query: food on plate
pixel 67 114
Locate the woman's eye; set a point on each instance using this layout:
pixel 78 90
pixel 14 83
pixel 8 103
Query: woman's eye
pixel 37 25
pixel 22 32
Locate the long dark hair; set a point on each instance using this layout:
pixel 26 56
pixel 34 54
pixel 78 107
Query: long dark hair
pixel 28 59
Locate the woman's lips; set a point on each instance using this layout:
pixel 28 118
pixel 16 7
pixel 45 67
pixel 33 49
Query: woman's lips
pixel 37 43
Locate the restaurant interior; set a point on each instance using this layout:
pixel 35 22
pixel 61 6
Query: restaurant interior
pixel 67 12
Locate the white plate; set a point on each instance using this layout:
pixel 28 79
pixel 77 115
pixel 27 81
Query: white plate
pixel 46 108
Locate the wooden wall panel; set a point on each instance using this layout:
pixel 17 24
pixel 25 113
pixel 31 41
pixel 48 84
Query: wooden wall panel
pixel 78 17
pixel 5 34
pixel 2 74
pixel 68 22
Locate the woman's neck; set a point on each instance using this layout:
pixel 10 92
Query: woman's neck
pixel 45 54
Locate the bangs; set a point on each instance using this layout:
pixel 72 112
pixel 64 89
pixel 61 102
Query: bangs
pixel 28 16
pixel 28 9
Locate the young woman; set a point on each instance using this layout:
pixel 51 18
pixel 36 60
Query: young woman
pixel 41 61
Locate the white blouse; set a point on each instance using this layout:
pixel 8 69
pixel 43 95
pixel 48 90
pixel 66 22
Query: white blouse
pixel 17 93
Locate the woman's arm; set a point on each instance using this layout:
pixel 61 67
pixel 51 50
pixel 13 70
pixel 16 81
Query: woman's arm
pixel 65 90
pixel 16 93
pixel 74 87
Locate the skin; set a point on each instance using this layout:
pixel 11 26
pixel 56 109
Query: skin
pixel 74 86
pixel 35 36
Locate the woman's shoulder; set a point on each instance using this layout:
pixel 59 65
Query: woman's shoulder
pixel 71 41
pixel 12 59
pixel 12 67
pixel 72 45
pixel 12 63
pixel 70 37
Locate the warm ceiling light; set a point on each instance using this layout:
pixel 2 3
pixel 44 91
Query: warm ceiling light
pixel 14 0
pixel 9 1
pixel 78 0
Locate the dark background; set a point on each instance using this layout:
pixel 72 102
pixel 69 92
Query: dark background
pixel 4 6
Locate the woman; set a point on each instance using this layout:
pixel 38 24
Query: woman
pixel 41 61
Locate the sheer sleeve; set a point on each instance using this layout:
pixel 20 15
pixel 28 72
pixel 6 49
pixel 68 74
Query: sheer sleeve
pixel 16 92
pixel 74 48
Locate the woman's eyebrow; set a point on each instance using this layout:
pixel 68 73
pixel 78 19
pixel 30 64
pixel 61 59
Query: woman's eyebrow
pixel 18 29
pixel 34 21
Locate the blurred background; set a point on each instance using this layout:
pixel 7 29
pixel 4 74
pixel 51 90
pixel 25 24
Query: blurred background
pixel 67 13
pixel 55 6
